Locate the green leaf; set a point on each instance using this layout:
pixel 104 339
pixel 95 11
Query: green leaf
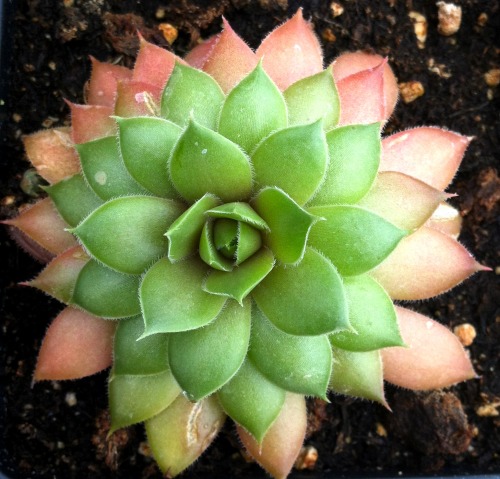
pixel 225 236
pixel 106 293
pixel 289 224
pixel 307 299
pixel 312 98
pixel 73 198
pixel 253 109
pixel 184 233
pixel 208 252
pixel 145 145
pixel 203 360
pixel 293 159
pixel 300 364
pixel 240 282
pixel 172 299
pixel 358 374
pixel 249 242
pixel 205 162
pixel 134 356
pixel 372 317
pixel 104 169
pixel 239 212
pixel 191 93
pixel 251 400
pixel 354 160
pixel 354 239
pixel 180 434
pixel 134 399
pixel 127 234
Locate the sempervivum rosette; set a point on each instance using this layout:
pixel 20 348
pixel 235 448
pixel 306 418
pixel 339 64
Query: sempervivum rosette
pixel 229 231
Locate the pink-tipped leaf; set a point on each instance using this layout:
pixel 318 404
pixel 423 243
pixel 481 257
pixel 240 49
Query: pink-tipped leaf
pixel 103 82
pixel 429 154
pixel 41 223
pixel 362 98
pixel 354 62
pixel 433 359
pixel 52 153
pixel 136 98
pixel 425 264
pixel 281 444
pixel 291 52
pixel 91 122
pixel 228 49
pixel 446 219
pixel 199 55
pixel 76 345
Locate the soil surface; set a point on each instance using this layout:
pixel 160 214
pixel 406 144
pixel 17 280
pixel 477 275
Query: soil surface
pixel 58 429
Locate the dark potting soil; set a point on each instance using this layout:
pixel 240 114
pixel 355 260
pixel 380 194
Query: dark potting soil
pixel 59 429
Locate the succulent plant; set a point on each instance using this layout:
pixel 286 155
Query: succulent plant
pixel 229 232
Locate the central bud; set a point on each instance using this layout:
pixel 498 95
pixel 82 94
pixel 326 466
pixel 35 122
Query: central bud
pixel 231 234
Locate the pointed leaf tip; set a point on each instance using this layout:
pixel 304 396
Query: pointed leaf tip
pixel 434 359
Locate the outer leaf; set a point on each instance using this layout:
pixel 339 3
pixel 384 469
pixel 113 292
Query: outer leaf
pixel 137 98
pixel 251 400
pixel 446 219
pixel 91 122
pixel 145 145
pixel 307 299
pixel 289 223
pixel 134 399
pixel 354 239
pixel 59 277
pixel 424 265
pixel 434 357
pixel 184 233
pixel 73 199
pixel 299 152
pixel 205 162
pixel 252 110
pixel 127 234
pixel 358 374
pixel 172 299
pixel 42 224
pixel 104 169
pixel 226 49
pixel 103 82
pixel 106 293
pixel 354 159
pixel 76 345
pixel 371 315
pixel 180 434
pixel 291 52
pixel 362 98
pixel 279 449
pixel 201 362
pixel 52 153
pixel 313 98
pixel 300 364
pixel 191 93
pixel 431 155
pixel 404 201
pixel 240 282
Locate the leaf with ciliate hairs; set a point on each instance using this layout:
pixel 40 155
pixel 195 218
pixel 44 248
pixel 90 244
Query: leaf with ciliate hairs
pixel 354 152
pixel 371 316
pixel 127 234
pixel 145 145
pixel 307 299
pixel 354 239
pixel 204 161
pixel 293 159
pixel 180 434
pixel 300 364
pixel 202 363
pixel 252 110
pixel 251 400
pixel 191 93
